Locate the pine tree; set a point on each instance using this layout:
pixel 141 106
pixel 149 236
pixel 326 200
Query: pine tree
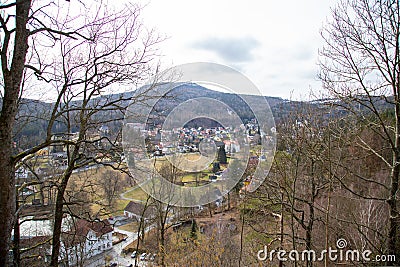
pixel 193 231
pixel 216 167
pixel 222 155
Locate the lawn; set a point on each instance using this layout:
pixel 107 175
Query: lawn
pixel 136 193
pixel 191 177
pixel 120 204
pixel 131 227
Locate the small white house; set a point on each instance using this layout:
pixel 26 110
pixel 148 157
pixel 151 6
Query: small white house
pixel 135 210
pixel 21 173
pixel 86 240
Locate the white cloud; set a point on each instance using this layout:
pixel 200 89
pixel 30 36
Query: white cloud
pixel 274 43
pixel 230 49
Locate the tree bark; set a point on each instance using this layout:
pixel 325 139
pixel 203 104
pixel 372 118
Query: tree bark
pixel 12 76
pixel 58 216
pixel 394 213
pixel 58 213
pixel 16 239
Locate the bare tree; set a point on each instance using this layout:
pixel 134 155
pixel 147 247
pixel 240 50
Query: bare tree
pixel 360 66
pixel 111 183
pixel 18 25
pixel 106 63
pixel 164 210
pixel 80 59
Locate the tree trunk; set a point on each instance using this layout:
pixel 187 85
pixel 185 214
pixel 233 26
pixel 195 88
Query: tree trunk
pixel 229 201
pixel 139 238
pixel 7 198
pixel 12 81
pixel 309 230
pixel 392 201
pixel 310 224
pixel 328 207
pixel 281 225
pixel 162 245
pixel 58 213
pixel 58 216
pixel 16 239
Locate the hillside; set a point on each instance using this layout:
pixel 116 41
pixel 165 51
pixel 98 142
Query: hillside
pixel 34 114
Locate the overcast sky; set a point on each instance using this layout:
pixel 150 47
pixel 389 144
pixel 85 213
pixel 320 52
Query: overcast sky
pixel 274 43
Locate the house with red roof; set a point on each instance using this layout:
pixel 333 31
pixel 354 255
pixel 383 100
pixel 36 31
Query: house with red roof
pixel 85 240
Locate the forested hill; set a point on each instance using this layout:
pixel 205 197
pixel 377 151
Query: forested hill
pixel 34 114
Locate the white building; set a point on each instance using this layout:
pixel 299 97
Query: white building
pixel 21 173
pixel 86 240
pixel 135 210
pixel 80 240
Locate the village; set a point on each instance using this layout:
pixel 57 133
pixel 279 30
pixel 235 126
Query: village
pixel 110 238
pixel 199 133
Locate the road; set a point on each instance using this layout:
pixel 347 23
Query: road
pixel 115 254
pixel 130 238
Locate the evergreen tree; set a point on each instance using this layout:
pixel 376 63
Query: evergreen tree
pixel 216 167
pixel 193 231
pixel 222 155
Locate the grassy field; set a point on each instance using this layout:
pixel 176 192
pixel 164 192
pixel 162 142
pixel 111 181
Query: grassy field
pixel 89 181
pixel 194 160
pixel 119 206
pixel 191 177
pixel 131 227
pixel 137 194
pixel 92 176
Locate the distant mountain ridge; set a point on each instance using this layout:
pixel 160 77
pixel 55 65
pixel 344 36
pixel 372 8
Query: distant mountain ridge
pixel 33 114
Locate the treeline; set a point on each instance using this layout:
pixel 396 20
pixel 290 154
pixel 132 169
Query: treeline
pixel 330 181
